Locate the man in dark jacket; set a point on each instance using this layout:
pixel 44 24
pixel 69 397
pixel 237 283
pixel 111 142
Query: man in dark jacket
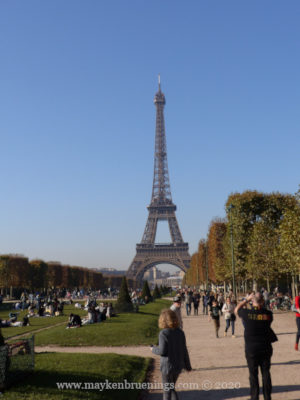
pixel 258 338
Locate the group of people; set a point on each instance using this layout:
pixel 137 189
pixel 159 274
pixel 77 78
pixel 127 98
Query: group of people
pixel 40 306
pixel 258 336
pixel 95 313
pixel 12 321
pixel 213 304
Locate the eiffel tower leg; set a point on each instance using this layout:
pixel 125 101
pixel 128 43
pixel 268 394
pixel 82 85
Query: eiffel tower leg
pixel 150 230
pixel 174 230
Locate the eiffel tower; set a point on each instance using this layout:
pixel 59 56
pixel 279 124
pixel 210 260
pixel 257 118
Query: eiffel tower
pixel 161 208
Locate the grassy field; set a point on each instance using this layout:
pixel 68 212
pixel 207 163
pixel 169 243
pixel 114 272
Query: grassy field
pixel 53 368
pixel 124 330
pixel 36 322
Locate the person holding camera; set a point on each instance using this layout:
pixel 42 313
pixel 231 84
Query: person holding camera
pixel 258 342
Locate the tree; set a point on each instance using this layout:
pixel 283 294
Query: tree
pixel 290 243
pixel 218 249
pixel 54 274
pixel 156 293
pixel 124 303
pixel 249 208
pixel 263 261
pixel 146 294
pixel 38 274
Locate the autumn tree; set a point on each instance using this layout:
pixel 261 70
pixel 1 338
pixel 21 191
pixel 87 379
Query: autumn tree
pixel 219 266
pixel 290 243
pixel 263 262
pixel 249 208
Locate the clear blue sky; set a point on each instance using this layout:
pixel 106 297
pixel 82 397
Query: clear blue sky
pixel 77 119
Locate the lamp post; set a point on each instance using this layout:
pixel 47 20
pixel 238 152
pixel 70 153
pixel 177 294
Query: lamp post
pixel 229 209
pixel 206 267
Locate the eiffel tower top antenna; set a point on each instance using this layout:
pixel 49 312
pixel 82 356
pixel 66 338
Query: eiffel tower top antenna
pixel 161 191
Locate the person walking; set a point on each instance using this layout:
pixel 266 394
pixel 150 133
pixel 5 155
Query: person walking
pixel 258 342
pixel 215 316
pixel 176 307
pixel 205 300
pixel 297 305
pixel 228 310
pixel 188 302
pixel 221 301
pixel 174 356
pixel 196 300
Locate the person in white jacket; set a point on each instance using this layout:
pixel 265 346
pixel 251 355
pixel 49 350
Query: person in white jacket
pixel 228 311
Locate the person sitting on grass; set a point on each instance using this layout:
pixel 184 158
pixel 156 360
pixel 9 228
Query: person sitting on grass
pixel 110 311
pixel 174 356
pixel 74 321
pixel 31 312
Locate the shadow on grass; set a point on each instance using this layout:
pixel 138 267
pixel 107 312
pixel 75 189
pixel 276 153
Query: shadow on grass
pixel 44 385
pixel 148 313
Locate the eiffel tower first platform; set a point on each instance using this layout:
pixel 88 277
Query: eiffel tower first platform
pixel 161 208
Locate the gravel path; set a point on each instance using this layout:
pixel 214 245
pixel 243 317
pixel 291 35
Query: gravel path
pixel 142 351
pixel 219 364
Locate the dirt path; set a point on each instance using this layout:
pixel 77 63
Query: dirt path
pixel 142 351
pixel 219 364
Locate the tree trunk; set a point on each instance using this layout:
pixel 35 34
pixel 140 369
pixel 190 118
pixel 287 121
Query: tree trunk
pixel 268 284
pixel 224 287
pixel 293 286
pixel 254 286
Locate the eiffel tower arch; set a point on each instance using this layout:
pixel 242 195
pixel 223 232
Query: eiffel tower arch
pixel 161 208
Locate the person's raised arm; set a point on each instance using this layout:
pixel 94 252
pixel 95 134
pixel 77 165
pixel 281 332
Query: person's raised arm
pixel 243 303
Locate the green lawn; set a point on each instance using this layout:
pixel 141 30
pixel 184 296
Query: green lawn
pixel 124 330
pixel 37 322
pixel 53 368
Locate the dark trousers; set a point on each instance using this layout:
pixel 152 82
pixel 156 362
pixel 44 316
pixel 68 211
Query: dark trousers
pixel 298 329
pixel 260 359
pixel 188 308
pixel 169 381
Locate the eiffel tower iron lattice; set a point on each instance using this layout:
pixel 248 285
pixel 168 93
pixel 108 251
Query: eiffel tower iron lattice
pixel 161 208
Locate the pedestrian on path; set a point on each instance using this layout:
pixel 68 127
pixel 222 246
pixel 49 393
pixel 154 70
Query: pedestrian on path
pixel 174 356
pixel 205 300
pixel 188 302
pixel 215 316
pixel 228 310
pixel 258 342
pixel 176 307
pixel 196 300
pixel 297 305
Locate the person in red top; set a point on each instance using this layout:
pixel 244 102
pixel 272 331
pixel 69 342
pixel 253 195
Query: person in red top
pixel 297 304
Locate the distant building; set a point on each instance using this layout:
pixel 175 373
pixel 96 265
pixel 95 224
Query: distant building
pixel 111 271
